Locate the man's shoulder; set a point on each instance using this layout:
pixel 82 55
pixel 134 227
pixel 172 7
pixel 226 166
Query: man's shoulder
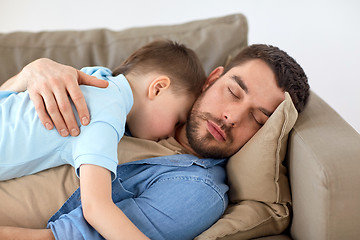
pixel 181 168
pixel 182 160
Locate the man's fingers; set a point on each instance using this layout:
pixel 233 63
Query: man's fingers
pixel 67 113
pixel 79 101
pixel 86 79
pixel 54 112
pixel 41 111
pixel 80 105
pixel 78 98
pixel 51 96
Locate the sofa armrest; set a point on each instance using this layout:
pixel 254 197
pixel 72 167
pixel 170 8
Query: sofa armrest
pixel 324 164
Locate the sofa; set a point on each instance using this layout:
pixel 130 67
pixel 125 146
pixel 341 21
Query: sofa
pixel 319 169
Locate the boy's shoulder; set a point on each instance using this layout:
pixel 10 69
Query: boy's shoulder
pixel 97 71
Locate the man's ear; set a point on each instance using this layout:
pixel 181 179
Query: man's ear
pixel 213 76
pixel 157 86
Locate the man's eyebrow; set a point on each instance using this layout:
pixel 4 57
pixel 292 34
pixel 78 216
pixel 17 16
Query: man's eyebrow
pixel 241 83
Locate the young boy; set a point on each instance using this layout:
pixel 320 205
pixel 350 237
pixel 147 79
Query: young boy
pixel 152 92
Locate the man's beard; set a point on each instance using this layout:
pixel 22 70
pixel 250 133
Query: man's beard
pixel 200 144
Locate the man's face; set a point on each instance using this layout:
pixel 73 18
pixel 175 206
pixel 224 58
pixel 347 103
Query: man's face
pixel 232 108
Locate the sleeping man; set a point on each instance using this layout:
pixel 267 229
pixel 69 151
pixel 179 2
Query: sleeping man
pixel 176 196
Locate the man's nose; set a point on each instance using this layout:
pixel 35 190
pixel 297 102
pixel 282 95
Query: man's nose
pixel 233 116
pixel 229 121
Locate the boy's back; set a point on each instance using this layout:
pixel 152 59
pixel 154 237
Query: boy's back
pixel 24 138
pixel 26 146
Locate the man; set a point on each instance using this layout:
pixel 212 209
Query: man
pixel 235 103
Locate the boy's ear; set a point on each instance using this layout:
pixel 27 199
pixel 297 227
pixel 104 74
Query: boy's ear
pixel 157 86
pixel 213 76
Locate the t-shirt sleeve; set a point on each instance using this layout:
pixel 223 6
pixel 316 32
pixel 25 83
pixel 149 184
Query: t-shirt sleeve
pixel 97 145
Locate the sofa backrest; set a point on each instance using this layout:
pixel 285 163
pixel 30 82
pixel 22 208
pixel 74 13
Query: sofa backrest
pixel 214 40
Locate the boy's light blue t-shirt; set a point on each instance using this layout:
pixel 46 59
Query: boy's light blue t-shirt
pixel 27 147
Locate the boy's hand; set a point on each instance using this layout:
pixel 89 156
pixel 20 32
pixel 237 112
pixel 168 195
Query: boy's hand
pixel 50 85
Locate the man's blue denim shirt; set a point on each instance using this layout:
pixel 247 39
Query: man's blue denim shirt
pixel 171 197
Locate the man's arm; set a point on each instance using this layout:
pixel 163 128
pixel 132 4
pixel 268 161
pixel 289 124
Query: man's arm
pixel 50 85
pixel 98 208
pixel 13 84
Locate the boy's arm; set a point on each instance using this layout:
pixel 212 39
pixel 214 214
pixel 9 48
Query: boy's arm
pixel 98 208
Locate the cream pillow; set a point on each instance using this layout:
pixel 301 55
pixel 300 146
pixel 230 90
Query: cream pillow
pixel 259 189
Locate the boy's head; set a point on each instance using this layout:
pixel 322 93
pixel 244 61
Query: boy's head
pixel 166 78
pixel 168 58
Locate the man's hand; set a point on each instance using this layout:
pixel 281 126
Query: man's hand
pixel 50 85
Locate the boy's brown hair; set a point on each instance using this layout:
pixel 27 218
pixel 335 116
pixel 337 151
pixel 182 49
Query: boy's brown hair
pixel 172 59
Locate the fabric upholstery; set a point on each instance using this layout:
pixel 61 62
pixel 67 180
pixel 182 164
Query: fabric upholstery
pixel 214 40
pixel 324 163
pixel 322 152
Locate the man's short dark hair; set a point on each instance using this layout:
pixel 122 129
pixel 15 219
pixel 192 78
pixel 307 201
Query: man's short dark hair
pixel 289 74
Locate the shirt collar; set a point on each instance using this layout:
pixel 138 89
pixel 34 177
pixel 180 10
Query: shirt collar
pixel 180 160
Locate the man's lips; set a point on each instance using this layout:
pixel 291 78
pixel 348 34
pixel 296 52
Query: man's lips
pixel 216 131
